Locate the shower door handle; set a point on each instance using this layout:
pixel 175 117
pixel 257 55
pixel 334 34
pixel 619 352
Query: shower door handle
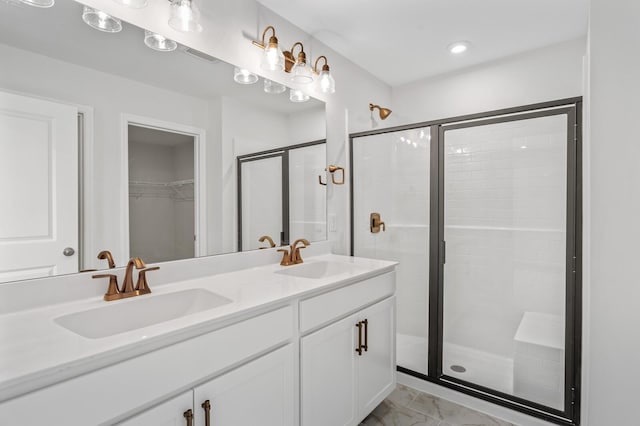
pixel 443 251
pixel 375 223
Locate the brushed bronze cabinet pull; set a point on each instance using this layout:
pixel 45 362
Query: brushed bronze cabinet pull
pixel 366 335
pixel 359 348
pixel 207 412
pixel 189 416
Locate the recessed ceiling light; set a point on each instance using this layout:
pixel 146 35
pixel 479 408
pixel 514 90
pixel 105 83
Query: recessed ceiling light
pixel 458 47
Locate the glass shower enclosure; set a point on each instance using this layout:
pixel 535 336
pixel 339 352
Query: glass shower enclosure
pixel 483 214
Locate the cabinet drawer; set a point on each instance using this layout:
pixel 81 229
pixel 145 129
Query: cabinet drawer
pixel 122 389
pixel 323 309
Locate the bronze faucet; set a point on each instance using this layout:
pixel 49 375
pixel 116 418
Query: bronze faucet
pixel 295 251
pixel 267 238
pixel 127 285
pixel 142 287
pixel 106 254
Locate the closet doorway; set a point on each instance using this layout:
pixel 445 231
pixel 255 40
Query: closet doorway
pixel 163 202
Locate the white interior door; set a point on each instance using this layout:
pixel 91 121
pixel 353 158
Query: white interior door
pixel 39 188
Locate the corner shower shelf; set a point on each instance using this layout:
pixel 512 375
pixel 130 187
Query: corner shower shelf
pixel 178 189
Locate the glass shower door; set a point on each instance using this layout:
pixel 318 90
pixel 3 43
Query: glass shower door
pixel 505 232
pixel 391 179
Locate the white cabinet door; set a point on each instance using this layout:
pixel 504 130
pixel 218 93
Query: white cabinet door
pixel 376 366
pixel 328 375
pixel 39 188
pixel 261 392
pixel 169 413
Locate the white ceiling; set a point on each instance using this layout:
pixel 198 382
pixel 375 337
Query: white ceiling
pixel 402 41
pixel 60 33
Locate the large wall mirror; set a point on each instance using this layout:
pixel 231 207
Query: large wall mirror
pixel 107 144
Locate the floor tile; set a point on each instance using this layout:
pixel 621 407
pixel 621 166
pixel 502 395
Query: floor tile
pixel 409 407
pixel 390 414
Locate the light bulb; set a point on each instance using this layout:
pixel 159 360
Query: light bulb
pixel 244 76
pixel 158 42
pixel 327 82
pixel 134 4
pixel 272 59
pixel 273 88
pixel 296 95
pixel 301 73
pixel 101 21
pixel 185 16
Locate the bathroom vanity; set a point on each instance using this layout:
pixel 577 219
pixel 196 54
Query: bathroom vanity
pixel 310 344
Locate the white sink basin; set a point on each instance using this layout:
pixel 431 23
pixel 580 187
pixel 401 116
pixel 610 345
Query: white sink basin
pixel 142 311
pixel 322 269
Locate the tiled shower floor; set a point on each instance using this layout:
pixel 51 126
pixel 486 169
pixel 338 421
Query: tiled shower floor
pixel 409 407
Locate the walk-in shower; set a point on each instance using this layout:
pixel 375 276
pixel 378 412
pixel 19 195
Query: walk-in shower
pixel 483 214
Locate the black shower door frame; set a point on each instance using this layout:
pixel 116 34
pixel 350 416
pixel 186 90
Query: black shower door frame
pixel 572 108
pixel 283 153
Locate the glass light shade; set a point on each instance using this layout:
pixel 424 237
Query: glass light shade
pixel 243 76
pixel 273 88
pixel 38 3
pixel 134 4
pixel 326 82
pixel 272 59
pixel 101 21
pixel 159 42
pixel 301 73
pixel 185 16
pixel 296 95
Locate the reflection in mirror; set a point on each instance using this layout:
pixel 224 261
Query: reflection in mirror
pixel 158 135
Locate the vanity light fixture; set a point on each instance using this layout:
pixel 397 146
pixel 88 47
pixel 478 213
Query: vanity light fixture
pixel 38 3
pixel 458 47
pixel 185 16
pixel 134 4
pixel 244 76
pixel 384 112
pixel 272 58
pixel 273 88
pixel 296 95
pixel 159 42
pixel 301 72
pixel 326 81
pixel 101 21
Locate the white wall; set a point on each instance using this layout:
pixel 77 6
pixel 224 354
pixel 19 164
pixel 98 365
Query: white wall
pixel 229 28
pixel 541 75
pixel 612 216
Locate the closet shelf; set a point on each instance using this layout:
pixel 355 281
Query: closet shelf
pixel 178 189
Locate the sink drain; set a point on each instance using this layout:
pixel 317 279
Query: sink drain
pixel 458 368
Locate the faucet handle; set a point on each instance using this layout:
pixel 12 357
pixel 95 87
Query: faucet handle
pixel 296 255
pixel 113 291
pixel 142 287
pixel 286 257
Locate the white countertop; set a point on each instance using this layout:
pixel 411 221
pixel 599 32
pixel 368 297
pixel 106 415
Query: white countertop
pixel 36 352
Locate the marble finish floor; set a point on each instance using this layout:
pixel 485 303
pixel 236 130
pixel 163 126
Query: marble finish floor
pixel 409 407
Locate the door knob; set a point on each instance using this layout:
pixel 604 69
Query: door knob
pixel 68 251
